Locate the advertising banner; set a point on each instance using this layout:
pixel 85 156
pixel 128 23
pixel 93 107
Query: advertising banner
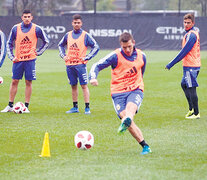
pixel 150 33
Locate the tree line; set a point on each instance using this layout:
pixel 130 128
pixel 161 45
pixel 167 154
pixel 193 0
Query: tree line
pixel 54 7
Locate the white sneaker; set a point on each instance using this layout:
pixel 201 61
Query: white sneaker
pixel 7 109
pixel 26 110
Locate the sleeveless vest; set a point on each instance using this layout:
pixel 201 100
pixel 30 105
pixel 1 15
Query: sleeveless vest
pixel 25 44
pixel 192 59
pixel 127 76
pixel 76 49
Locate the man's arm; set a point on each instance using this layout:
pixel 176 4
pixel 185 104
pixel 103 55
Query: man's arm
pixel 11 39
pixel 90 41
pixel 145 62
pixel 61 46
pixel 2 47
pixel 45 40
pixel 109 60
pixel 191 40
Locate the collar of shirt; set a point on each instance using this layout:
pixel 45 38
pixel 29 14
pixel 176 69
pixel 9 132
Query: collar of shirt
pixel 26 27
pixel 132 57
pixel 76 34
pixel 77 31
pixel 190 29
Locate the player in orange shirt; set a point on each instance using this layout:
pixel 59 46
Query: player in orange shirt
pixel 25 35
pixel 190 54
pixel 127 86
pixel 76 59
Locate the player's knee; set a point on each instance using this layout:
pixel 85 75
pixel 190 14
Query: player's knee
pixel 85 86
pixel 183 85
pixel 15 82
pixel 28 82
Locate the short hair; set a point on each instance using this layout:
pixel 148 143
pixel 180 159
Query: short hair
pixel 189 16
pixel 77 16
pixel 26 11
pixel 125 37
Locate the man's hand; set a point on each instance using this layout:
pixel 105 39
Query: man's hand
pixel 83 60
pixel 94 82
pixel 15 59
pixel 167 68
pixel 65 58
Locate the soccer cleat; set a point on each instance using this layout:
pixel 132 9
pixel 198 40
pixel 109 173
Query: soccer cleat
pixel 124 125
pixel 73 110
pixel 7 109
pixel 26 110
pixel 193 116
pixel 146 150
pixel 189 113
pixel 87 111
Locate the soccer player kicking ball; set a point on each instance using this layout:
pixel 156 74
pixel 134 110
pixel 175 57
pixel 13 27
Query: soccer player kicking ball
pixel 190 54
pixel 127 86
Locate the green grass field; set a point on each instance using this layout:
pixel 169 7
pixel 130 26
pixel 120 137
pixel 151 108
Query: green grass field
pixel 179 146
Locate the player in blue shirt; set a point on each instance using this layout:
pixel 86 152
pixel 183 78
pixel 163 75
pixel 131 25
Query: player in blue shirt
pixel 112 60
pixel 76 58
pixel 190 54
pixel 128 66
pixel 191 40
pixel 2 47
pixel 25 35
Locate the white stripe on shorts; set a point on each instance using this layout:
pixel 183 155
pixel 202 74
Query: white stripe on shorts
pixel 188 78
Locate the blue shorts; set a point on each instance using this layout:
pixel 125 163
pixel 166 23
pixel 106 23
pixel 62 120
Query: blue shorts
pixel 120 100
pixel 76 72
pixel 190 75
pixel 24 67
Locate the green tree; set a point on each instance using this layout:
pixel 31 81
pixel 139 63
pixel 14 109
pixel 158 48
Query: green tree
pixel 155 5
pixel 203 4
pixel 105 5
pixel 47 7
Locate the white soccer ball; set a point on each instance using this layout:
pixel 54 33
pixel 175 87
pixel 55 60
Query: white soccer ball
pixel 1 80
pixel 84 140
pixel 19 108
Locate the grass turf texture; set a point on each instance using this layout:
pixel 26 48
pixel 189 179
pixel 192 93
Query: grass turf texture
pixel 179 146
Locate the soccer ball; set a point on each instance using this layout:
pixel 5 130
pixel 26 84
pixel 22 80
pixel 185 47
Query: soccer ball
pixel 1 80
pixel 19 108
pixel 84 140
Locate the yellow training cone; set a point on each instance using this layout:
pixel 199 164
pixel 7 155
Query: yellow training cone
pixel 45 147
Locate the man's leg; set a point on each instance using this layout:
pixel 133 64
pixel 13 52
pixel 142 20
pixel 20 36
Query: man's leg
pixel 129 112
pixel 86 96
pixel 188 96
pixel 28 93
pixel 194 99
pixel 74 93
pixel 74 109
pixel 12 94
pixel 128 115
pixel 85 93
pixel 13 89
pixel 28 90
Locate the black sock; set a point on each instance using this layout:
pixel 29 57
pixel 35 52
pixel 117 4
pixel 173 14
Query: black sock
pixel 11 104
pixel 194 99
pixel 87 105
pixel 75 104
pixel 188 96
pixel 26 104
pixel 143 143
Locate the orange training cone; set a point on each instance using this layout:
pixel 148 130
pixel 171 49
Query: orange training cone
pixel 45 147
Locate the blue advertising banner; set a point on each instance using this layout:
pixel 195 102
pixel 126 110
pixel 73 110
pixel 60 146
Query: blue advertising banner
pixel 150 33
